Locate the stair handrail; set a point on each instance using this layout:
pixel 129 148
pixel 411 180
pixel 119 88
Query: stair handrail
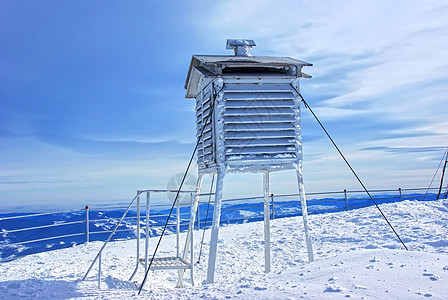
pixel 110 236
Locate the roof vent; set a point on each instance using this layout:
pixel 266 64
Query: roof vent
pixel 241 47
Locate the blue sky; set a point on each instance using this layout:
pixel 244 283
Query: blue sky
pixel 93 107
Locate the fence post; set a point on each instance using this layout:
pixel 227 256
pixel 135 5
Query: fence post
pixel 87 224
pixel 99 272
pixel 272 205
pixel 401 197
pixel 345 196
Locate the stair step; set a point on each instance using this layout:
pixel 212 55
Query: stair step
pixel 168 263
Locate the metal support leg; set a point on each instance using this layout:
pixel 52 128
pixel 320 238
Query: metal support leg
pixel 99 272
pixel 147 230
pixel 108 239
pixel 309 245
pixel 198 220
pixel 178 226
pixel 194 208
pixel 215 227
pixel 189 240
pixel 193 212
pixel 138 238
pixel 179 272
pixel 138 228
pixel 267 226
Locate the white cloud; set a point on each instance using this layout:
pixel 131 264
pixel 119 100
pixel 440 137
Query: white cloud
pixel 396 44
pixel 338 113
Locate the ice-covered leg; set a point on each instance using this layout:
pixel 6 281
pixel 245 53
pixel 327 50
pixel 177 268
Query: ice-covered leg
pixel 215 227
pixel 309 245
pixel 267 226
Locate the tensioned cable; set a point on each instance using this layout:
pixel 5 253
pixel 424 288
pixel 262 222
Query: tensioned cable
pixel 435 174
pixel 178 191
pixel 206 217
pixel 446 191
pixel 168 218
pixel 443 173
pixel 348 164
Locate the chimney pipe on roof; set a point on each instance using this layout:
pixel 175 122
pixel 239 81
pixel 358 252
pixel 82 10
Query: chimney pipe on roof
pixel 240 46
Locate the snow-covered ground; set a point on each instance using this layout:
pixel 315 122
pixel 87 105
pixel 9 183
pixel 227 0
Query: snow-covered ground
pixel 357 256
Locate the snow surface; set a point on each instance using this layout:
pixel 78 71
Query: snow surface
pixel 357 256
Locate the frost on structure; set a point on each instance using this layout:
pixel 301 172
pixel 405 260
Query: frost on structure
pixel 247 112
pixel 247 120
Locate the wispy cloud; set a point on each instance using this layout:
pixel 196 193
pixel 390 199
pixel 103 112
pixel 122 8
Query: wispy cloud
pixel 407 149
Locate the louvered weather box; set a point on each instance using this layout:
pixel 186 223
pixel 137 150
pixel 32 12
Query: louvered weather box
pixel 247 116
pixel 247 112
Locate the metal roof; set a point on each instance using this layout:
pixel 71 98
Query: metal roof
pixel 212 65
pixel 252 60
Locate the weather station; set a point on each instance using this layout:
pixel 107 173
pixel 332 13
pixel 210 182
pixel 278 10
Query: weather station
pixel 248 120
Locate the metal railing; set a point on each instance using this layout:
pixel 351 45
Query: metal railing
pixel 93 223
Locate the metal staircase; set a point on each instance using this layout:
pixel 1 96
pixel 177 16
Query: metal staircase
pixel 181 261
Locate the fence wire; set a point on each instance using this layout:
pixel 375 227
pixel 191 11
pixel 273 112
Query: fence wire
pixel 94 224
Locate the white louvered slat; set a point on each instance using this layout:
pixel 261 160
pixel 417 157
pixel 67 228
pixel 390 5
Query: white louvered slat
pixel 250 142
pixel 260 159
pixel 251 111
pixel 246 134
pixel 261 150
pixel 259 103
pixel 257 128
pixel 259 119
